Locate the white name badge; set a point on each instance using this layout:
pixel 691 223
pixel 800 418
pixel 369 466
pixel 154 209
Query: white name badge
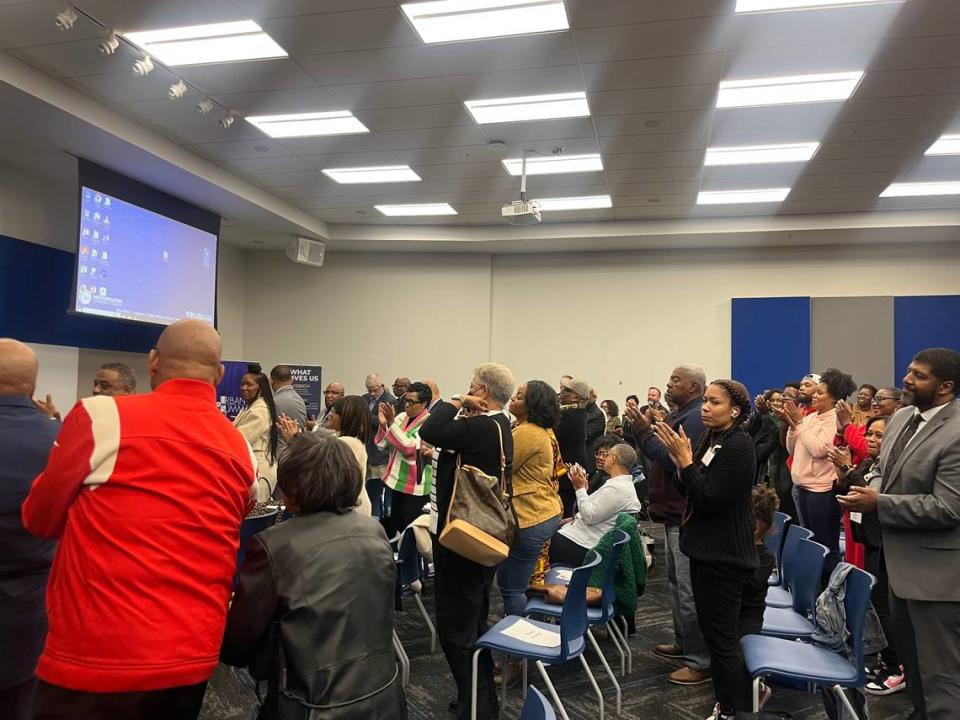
pixel 709 455
pixel 856 517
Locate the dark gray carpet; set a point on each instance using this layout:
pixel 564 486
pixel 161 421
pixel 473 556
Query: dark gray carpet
pixel 646 692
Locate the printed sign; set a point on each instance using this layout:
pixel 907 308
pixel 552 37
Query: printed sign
pixel 228 391
pixel 307 382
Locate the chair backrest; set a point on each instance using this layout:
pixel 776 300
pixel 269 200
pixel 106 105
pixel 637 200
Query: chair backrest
pixel 774 538
pixel 795 533
pixel 856 601
pixel 807 572
pixel 536 706
pixel 408 559
pixel 607 589
pixel 573 617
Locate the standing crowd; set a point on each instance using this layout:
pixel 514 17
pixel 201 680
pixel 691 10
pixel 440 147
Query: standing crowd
pixel 120 522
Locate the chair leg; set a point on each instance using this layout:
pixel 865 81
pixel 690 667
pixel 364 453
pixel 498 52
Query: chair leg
pixel 606 667
pixel 473 685
pixel 525 678
pixel 552 690
pixel 756 694
pixel 842 697
pixel 503 680
pixel 616 643
pixel 428 621
pixel 403 658
pixel 593 682
pixel 622 637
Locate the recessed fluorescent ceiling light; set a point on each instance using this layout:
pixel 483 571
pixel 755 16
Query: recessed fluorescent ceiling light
pixel 308 124
pixel 385 174
pixel 760 154
pixel 748 6
pixel 200 44
pixel 730 197
pixel 554 164
pixel 586 202
pixel 922 188
pixel 416 209
pixel 452 20
pixel 533 107
pixel 946 145
pixel 825 87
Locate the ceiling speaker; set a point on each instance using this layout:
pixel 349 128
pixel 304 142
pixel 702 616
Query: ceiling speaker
pixel 306 251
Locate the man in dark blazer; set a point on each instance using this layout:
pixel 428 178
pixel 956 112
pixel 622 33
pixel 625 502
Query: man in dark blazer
pixel 380 495
pixel 918 506
pixel 26 436
pixel 596 425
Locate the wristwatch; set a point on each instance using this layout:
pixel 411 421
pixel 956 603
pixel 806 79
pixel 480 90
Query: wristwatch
pixel 458 397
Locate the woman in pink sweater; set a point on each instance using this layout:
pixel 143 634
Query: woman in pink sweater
pixel 808 441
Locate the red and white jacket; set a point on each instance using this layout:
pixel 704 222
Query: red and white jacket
pixel 146 494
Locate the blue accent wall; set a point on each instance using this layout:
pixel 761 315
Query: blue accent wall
pixel 770 341
pixel 921 322
pixel 35 285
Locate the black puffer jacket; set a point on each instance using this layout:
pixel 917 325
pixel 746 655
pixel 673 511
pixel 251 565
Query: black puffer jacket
pixel 320 588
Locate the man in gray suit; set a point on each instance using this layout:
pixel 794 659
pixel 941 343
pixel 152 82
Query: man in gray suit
pixel 918 506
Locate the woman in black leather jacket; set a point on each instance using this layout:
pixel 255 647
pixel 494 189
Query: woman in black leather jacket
pixel 313 611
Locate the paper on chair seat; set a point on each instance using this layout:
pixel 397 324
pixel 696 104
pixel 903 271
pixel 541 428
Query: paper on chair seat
pixel 527 632
pixel 564 574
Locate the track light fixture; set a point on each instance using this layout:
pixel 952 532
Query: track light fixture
pixel 227 120
pixel 177 90
pixel 143 66
pixel 109 45
pixel 67 18
pixel 204 106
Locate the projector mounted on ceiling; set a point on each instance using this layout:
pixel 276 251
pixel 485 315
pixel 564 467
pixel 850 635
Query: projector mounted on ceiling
pixel 522 211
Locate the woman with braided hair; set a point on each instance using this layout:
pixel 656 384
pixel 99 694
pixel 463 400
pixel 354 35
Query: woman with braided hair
pixel 718 533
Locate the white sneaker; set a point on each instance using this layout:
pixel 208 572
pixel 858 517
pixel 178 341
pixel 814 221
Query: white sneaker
pixel 717 715
pixel 887 682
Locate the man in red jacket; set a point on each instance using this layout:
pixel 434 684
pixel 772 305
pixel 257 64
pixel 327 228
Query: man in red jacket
pixel 146 494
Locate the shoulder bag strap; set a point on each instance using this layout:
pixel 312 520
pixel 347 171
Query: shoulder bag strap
pixel 503 458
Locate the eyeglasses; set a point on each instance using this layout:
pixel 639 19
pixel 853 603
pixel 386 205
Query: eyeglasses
pixel 600 454
pixel 408 402
pixel 878 400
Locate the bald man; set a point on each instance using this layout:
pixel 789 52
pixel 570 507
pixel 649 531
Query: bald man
pixel 333 392
pixel 146 494
pixel 26 436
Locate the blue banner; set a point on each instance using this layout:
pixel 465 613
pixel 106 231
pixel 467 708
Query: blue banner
pixel 307 382
pixel 228 391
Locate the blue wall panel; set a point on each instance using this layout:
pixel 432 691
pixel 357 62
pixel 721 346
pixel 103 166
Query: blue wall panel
pixel 35 286
pixel 922 322
pixel 770 341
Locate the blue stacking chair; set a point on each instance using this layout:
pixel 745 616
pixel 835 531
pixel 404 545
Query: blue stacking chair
pixel 410 571
pixel 536 706
pixel 569 634
pixel 810 664
pixel 602 615
pixel 780 596
pixel 799 621
pixel 249 528
pixel 774 543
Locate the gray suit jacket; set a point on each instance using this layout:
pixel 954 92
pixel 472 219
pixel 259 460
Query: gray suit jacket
pixel 919 507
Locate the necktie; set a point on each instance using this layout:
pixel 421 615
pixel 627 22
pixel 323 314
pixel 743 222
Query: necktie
pixel 903 438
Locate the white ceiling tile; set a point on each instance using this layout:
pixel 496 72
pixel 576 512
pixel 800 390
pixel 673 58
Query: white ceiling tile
pixel 342 31
pixel 652 174
pixel 268 165
pixel 335 144
pixel 79 57
pixel 432 137
pixel 733 177
pixel 279 102
pixel 592 13
pixel 650 212
pixel 654 72
pixel 802 59
pixel 514 83
pixel 414 118
pixel 346 68
pixel 163 111
pixel 692 97
pixel 661 199
pixel 290 179
pixel 127 87
pixel 241 150
pixel 652 189
pixel 131 15
pixel 503 183
pixel 853 165
pixel 834 25
pixel 31 24
pixel 928 81
pixel 653 160
pixel 206 131
pixel 266 9
pixel 927 128
pixel 890 108
pixel 353 159
pixel 396 93
pixel 462 170
pixel 656 39
pixel 253 76
pixel 913 147
pixel 526 132
pixel 662 142
pixel 509 53
pixel 653 123
pixel 911 53
pixel 927 18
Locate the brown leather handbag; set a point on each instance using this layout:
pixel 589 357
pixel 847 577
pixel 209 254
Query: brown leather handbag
pixel 481 524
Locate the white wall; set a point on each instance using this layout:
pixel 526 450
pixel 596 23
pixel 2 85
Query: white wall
pixel 58 374
pixel 36 209
pixel 620 320
pixel 413 315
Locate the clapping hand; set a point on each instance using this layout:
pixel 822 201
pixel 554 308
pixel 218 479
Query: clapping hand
pixel 839 456
pixel 678 445
pixel 311 422
pixel 385 414
pixel 287 426
pixel 762 406
pixel 844 415
pixel 577 476
pixel 789 413
pixel 859 499
pixel 636 419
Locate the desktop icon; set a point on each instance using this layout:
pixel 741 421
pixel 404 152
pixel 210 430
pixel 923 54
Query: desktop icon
pixel 106 201
pixel 93 271
pixel 106 219
pixel 166 255
pixel 103 254
pixel 105 238
pixel 85 232
pixel 96 234
pixel 93 253
pixel 84 250
pixel 86 213
pixel 83 269
pixel 96 217
pixel 97 198
pixel 103 291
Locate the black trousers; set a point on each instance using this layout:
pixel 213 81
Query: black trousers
pixel 463 602
pixel 822 515
pixel 927 640
pixel 568 497
pixel 16 703
pixel 404 510
pixel 53 702
pixel 564 551
pixel 880 597
pixel 718 593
